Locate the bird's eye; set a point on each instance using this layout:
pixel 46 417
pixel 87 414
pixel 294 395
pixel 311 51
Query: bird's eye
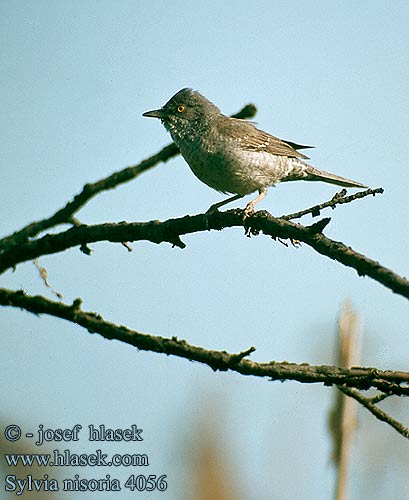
pixel 181 108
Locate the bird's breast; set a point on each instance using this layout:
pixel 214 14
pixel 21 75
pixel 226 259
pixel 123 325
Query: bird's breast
pixel 229 169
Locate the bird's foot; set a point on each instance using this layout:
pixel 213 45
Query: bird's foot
pixel 249 210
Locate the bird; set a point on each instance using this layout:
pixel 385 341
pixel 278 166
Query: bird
pixel 232 155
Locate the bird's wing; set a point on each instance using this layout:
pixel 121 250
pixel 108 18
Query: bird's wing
pixel 250 138
pixel 294 145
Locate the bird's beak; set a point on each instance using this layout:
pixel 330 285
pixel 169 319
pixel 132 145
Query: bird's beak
pixel 156 113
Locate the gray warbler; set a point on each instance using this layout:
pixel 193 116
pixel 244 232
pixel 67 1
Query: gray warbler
pixel 232 155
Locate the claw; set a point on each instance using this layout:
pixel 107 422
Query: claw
pixel 249 210
pixel 295 243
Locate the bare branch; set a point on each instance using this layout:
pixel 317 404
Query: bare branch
pixel 358 377
pixel 338 199
pixel 171 230
pixel 66 214
pixel 379 414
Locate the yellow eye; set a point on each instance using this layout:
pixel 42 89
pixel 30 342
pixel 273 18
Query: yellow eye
pixel 181 108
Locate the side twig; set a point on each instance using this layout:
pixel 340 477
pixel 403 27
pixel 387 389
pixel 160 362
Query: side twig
pixel 377 412
pixel 338 199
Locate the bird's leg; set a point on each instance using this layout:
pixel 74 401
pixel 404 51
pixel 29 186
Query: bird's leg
pixel 216 206
pixel 250 206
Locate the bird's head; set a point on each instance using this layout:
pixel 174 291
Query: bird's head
pixel 187 113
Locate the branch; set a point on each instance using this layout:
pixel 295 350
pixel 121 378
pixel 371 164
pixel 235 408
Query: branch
pixel 66 214
pixel 171 230
pixel 358 377
pixel 337 199
pixel 379 414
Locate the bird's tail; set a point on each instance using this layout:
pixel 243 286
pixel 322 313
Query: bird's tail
pixel 310 173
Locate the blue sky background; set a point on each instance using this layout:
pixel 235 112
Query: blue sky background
pixel 75 80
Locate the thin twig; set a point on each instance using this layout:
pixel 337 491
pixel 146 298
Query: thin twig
pixel 338 199
pixel 44 276
pixel 379 414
